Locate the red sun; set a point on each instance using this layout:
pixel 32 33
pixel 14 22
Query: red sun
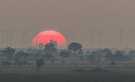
pixel 44 37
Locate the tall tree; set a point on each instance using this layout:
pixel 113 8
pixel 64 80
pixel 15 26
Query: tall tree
pixel 75 48
pixel 50 48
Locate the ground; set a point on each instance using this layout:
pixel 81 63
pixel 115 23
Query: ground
pixel 65 73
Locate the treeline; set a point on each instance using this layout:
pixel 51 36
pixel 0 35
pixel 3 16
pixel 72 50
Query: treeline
pixel 73 50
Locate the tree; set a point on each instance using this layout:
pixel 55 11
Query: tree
pixel 50 48
pixel 132 53
pixel 22 54
pixel 9 52
pixel 108 54
pixel 75 48
pixel 120 56
pixel 64 53
pixel 20 58
pixel 94 57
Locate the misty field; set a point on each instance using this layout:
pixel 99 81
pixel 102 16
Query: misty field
pixel 67 73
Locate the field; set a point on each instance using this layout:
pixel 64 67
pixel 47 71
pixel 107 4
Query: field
pixel 66 73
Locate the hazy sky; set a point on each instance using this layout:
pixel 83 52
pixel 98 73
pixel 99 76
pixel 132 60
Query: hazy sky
pixel 96 23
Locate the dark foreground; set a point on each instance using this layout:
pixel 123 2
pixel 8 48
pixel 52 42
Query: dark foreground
pixel 66 74
pixel 68 77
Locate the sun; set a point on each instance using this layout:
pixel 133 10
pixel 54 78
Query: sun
pixel 46 36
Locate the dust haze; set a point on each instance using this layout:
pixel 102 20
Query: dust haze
pixel 70 16
pixel 100 36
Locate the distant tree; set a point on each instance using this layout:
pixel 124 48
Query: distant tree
pixel 22 54
pixel 75 48
pixel 48 53
pixel 21 58
pixel 108 54
pixel 41 46
pixel 120 56
pixel 94 57
pixel 132 53
pixel 8 55
pixel 64 53
pixel 50 48
pixel 9 52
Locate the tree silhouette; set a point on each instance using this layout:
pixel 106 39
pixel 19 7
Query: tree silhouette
pixel 50 48
pixel 75 48
pixel 108 54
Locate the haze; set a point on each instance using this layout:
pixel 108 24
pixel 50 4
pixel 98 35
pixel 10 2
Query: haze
pixel 96 23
